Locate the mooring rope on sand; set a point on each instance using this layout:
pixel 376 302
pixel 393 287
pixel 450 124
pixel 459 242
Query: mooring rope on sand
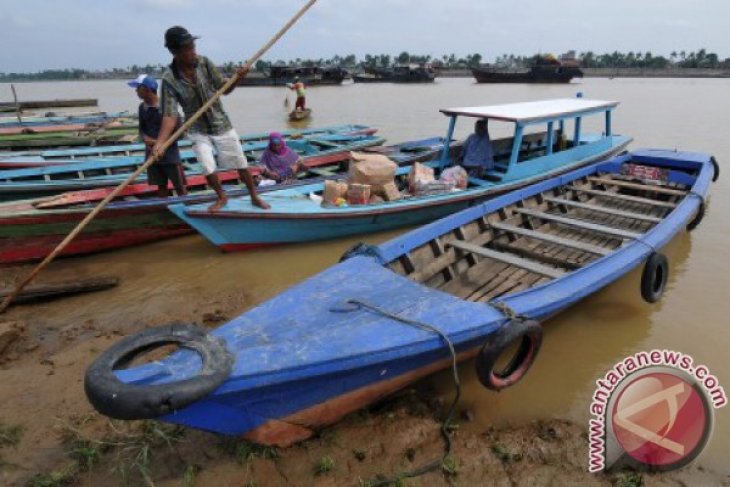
pixel 446 424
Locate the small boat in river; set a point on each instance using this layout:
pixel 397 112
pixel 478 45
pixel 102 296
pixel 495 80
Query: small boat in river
pixel 468 285
pixel 520 160
pixel 297 115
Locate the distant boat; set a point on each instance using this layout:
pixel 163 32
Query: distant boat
pixel 408 73
pixel 284 75
pixel 544 69
pixel 297 115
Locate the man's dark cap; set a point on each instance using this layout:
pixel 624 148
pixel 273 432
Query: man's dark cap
pixel 177 37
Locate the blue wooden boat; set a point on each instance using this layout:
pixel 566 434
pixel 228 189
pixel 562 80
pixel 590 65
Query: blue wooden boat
pixel 521 159
pixel 77 175
pixel 359 330
pixel 320 136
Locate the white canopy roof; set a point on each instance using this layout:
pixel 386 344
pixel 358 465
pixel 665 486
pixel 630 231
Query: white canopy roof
pixel 533 111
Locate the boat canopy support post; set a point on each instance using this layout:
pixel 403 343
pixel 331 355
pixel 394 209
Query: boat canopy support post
pixel 516 144
pixel 608 123
pixel 576 135
pixel 550 138
pixel 447 143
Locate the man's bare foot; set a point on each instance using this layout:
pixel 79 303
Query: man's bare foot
pixel 260 203
pixel 218 204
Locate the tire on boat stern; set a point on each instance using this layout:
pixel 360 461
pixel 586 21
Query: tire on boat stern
pixel 120 400
pixel 654 277
pixel 529 333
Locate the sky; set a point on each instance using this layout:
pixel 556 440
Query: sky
pixel 102 34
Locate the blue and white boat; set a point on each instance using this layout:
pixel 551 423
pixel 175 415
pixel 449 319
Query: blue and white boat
pixel 538 149
pixel 366 327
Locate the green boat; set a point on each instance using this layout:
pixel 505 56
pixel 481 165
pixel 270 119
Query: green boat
pixel 65 138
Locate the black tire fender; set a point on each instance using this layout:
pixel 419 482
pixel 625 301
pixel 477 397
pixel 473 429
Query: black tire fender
pixel 699 216
pixel 654 277
pixel 716 167
pixel 120 400
pixel 529 332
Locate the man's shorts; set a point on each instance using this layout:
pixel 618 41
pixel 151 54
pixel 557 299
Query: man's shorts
pixel 227 146
pixel 161 174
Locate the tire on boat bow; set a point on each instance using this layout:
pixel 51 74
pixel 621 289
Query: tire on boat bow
pixel 529 334
pixel 716 167
pixel 654 277
pixel 120 400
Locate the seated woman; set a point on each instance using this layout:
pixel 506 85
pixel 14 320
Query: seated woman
pixel 280 162
pixel 476 154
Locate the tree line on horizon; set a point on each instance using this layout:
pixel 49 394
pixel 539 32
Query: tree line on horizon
pixel 677 59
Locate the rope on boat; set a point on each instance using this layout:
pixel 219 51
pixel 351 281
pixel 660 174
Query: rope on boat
pixel 446 424
pixel 232 81
pixel 511 314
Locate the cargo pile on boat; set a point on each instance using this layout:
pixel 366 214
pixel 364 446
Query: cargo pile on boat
pixel 372 180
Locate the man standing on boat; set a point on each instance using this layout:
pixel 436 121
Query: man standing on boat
pixel 168 167
pixel 190 81
pixel 301 92
pixel 476 154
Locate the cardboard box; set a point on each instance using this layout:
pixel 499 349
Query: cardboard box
pixel 334 190
pixel 358 194
pixel 375 170
pixel 419 175
pixel 390 192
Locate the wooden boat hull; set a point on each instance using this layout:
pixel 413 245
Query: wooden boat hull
pixel 32 104
pixel 297 115
pixel 542 74
pixel 30 230
pixel 110 135
pixel 84 174
pixel 348 355
pixel 48 157
pixel 236 227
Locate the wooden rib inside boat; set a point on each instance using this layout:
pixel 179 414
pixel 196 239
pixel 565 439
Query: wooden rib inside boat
pixel 540 238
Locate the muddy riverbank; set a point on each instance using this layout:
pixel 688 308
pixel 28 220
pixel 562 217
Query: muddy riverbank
pixel 50 436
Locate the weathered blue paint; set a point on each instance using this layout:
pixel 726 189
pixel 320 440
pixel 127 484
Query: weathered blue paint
pixel 516 144
pixel 447 146
pixel 299 350
pixel 550 137
pixel 576 134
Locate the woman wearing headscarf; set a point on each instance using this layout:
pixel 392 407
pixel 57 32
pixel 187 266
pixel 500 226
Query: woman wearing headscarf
pixel 280 162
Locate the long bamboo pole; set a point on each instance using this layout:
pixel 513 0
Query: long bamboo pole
pixel 176 135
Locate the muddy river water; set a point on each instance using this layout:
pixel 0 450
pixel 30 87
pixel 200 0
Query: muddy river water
pixel 188 277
